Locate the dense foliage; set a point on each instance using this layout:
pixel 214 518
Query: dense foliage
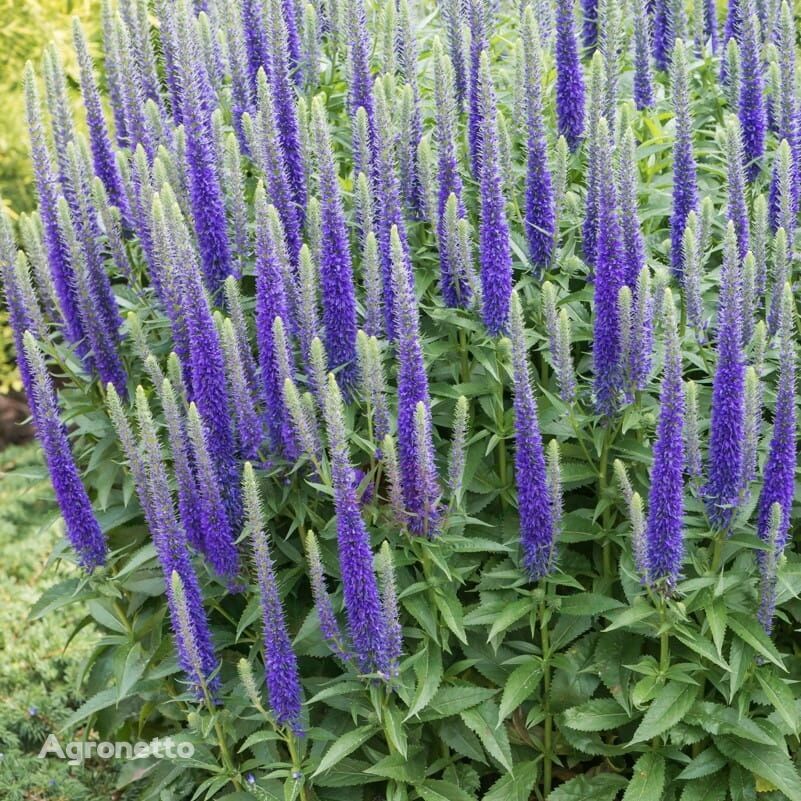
pixel 438 368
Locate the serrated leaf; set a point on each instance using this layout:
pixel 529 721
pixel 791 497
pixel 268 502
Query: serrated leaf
pixel 96 703
pixel 631 616
pixel 482 720
pixel 780 695
pixel 344 746
pixel 648 779
pixel 601 787
pixel 135 663
pixel 437 790
pixel 741 784
pixel 669 706
pixel 510 615
pixel 749 630
pixel 455 699
pixel 515 787
pixel 598 714
pixel 705 764
pixel 710 788
pixel 588 603
pixel 519 686
pixel 429 676
pixel 767 762
pixel 451 611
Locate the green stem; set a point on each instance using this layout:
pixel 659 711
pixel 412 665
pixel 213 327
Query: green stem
pixel 664 639
pixel 547 737
pixel 717 552
pixel 296 765
pixel 499 424
pixel 464 358
pixel 228 763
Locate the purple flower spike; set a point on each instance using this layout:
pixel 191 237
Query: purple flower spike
pixel 633 242
pixel 80 524
pixel 725 469
pixel 736 207
pixel 664 541
pixel 477 22
pixel 609 278
pixel 569 76
pixel 280 663
pixel 751 107
pixel 534 502
pixel 366 624
pixel 418 478
pixel 494 249
pixel 643 81
pixel 685 191
pixel 336 268
pixel 589 28
pixel 540 214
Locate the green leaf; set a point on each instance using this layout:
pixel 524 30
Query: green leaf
pixel 749 630
pixel 741 784
pixel 437 790
pixel 55 597
pixel 482 720
pixel 598 714
pixel 629 617
pixel 601 787
pixel 768 762
pixel 451 611
pixel 710 788
pixel 399 768
pixel 647 780
pixel 455 699
pixel 515 787
pixel 135 663
pixel 96 703
pixel 344 746
pixel 669 706
pixel 429 676
pixel 519 686
pixel 510 615
pixel 705 764
pixel 587 603
pixel 780 695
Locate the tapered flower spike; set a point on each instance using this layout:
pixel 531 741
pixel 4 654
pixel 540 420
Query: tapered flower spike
pixel 218 540
pixel 692 437
pixel 780 274
pixel 373 386
pixel 280 663
pixel 111 222
pixel 753 425
pixel 285 52
pixel 661 38
pixel 188 491
pixel 569 76
pixel 359 48
pixel 589 230
pixel 102 152
pixel 389 458
pixel 736 207
pixel 46 189
pixel 249 430
pixel 336 268
pixel 787 123
pixel 725 467
pixel 642 331
pixel 238 67
pixel 366 624
pixel 269 156
pixel 589 28
pixel 625 321
pixel 271 302
pixel 609 279
pixel 685 193
pixel 749 300
pixel 390 607
pixel 311 46
pixel 664 543
pixel 364 207
pixel 494 249
pixel 782 201
pixel 768 570
pixel 102 341
pixel 711 24
pixel 458 451
pixel 329 627
pixel 308 322
pixel 23 300
pixel 257 44
pixel 539 210
pixel 80 524
pixel 112 69
pixel 560 340
pixel 477 13
pixel 30 229
pixel 751 105
pixel 389 211
pixel 236 205
pixel 454 292
pixel 691 270
pixel 609 45
pixel 305 424
pixel 779 471
pixel 61 122
pixel 453 13
pixel 633 242
pixel 643 80
pixel 186 641
pixel 418 477
pixel 373 285
pixel 534 501
pixel 236 312
pixel 150 475
pixel 427 173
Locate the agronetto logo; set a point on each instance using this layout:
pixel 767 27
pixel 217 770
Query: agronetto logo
pixel 77 751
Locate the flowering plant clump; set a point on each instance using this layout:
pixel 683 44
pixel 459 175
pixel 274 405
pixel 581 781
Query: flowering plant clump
pixel 418 388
